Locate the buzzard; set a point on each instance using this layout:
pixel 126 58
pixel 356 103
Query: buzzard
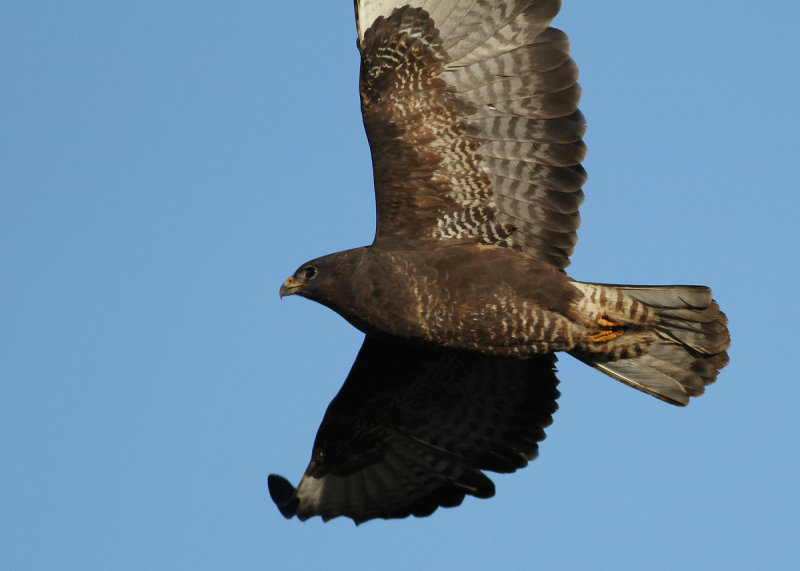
pixel 471 111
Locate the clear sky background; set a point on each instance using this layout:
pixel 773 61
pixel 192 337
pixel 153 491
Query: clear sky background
pixel 164 166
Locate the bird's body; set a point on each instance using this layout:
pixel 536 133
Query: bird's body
pixel 440 296
pixel 471 111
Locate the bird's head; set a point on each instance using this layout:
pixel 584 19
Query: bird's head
pixel 300 280
pixel 322 278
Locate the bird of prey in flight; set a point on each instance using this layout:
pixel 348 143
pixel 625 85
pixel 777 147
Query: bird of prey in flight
pixel 471 112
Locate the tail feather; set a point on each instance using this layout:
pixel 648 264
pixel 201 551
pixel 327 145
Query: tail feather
pixel 677 356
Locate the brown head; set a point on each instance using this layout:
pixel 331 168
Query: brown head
pixel 327 280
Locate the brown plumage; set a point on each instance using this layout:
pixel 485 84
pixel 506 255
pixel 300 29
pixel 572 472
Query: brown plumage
pixel 471 113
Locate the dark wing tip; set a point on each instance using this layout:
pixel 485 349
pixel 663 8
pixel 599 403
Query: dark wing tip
pixel 283 494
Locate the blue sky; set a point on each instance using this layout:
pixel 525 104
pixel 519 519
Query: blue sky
pixel 165 166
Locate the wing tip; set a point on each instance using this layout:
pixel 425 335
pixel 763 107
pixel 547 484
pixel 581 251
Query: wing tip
pixel 284 494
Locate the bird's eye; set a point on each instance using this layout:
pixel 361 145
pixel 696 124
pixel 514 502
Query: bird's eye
pixel 309 272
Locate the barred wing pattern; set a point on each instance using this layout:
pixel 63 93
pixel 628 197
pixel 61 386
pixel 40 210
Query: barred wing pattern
pixel 414 425
pixel 471 111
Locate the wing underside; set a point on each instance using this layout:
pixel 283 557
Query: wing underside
pixel 471 111
pixel 414 426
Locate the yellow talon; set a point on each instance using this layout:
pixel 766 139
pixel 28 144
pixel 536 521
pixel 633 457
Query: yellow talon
pixel 603 336
pixel 614 330
pixel 603 322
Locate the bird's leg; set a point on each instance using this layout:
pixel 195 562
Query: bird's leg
pixel 612 330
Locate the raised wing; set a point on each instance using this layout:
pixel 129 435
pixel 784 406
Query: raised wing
pixel 471 111
pixel 412 428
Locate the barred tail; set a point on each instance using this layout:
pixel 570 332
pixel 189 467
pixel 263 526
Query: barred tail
pixel 671 357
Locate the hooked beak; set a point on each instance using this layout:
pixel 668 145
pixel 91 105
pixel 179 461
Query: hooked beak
pixel 290 287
